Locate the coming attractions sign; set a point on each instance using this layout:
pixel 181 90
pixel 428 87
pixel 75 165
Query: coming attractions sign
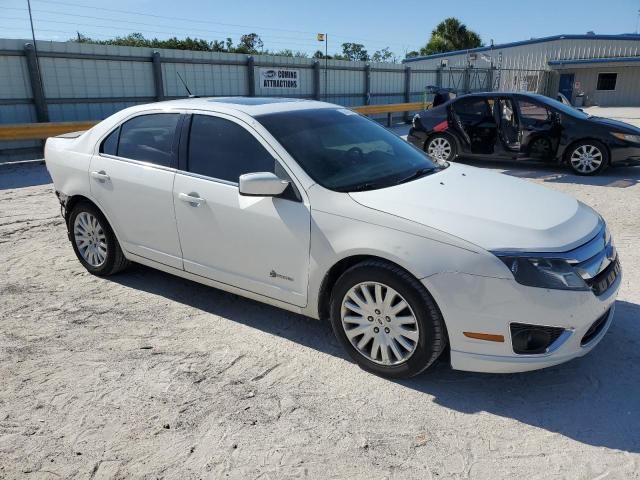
pixel 279 78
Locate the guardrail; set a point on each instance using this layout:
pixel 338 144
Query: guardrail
pixel 391 108
pixel 39 131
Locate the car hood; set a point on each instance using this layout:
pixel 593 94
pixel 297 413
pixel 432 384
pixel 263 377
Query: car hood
pixel 492 210
pixel 616 125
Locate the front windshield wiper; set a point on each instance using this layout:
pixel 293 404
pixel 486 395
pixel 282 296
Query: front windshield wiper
pixel 421 172
pixel 364 186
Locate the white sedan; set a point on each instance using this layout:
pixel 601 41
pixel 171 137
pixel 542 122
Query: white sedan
pixel 313 208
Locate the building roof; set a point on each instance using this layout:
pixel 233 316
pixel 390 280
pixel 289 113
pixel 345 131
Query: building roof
pixel 624 36
pixel 587 62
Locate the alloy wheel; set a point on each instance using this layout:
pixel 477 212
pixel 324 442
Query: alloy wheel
pixel 90 239
pixel 379 323
pixel 439 149
pixel 586 158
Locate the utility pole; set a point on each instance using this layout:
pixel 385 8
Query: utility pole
pixel 35 47
pixel 323 37
pixel 326 66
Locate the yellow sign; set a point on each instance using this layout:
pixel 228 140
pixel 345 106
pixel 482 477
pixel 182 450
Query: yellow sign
pixel 321 37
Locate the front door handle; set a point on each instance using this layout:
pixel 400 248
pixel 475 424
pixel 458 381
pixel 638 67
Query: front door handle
pixel 101 175
pixel 192 198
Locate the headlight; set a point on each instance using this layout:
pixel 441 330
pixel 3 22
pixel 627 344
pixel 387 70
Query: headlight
pixel 626 137
pixel 415 118
pixel 544 273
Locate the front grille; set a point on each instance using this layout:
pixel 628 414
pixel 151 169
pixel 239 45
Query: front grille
pixel 533 339
pixel 595 328
pixel 601 282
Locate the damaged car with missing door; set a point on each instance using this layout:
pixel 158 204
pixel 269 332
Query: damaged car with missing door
pixel 524 126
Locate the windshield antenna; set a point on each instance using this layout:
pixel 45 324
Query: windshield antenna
pixel 186 87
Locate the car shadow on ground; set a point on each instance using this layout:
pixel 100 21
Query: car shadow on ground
pixel 23 175
pixel 594 399
pixel 618 177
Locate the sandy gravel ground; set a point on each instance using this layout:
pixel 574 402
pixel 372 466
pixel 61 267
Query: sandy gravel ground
pixel 144 375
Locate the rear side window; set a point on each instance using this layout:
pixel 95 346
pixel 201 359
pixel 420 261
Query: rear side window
pixel 222 149
pixel 533 112
pixel 472 108
pixel 148 138
pixel 110 144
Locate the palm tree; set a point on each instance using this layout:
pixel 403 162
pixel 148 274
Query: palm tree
pixel 449 35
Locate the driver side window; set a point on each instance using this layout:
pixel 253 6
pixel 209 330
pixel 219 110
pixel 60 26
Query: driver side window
pixel 222 149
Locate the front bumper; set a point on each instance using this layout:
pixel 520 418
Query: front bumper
pixel 624 153
pixel 471 303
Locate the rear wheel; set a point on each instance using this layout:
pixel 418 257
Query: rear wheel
pixel 441 148
pixel 94 242
pixel 588 157
pixel 386 320
pixel 541 148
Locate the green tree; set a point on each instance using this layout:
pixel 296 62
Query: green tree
pixel 286 53
pixel 249 43
pixel 449 35
pixel 354 52
pixel 218 46
pixel 384 55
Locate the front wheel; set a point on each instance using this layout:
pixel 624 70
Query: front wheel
pixel 386 320
pixel 588 157
pixel 441 148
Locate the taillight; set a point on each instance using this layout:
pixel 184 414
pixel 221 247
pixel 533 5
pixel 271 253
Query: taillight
pixel 441 127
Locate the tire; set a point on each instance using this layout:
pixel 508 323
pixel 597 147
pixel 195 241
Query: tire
pixel 103 255
pixel 587 157
pixel 410 347
pixel 541 148
pixel 441 147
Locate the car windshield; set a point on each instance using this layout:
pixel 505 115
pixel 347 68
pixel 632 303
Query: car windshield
pixel 566 109
pixel 344 151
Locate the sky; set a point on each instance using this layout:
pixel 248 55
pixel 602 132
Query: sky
pixel 292 24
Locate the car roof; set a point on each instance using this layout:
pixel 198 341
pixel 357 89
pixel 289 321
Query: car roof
pixel 499 93
pixel 252 106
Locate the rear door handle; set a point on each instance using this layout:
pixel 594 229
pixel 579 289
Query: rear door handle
pixel 101 175
pixel 192 198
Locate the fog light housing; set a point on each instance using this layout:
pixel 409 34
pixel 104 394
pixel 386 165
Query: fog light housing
pixel 533 339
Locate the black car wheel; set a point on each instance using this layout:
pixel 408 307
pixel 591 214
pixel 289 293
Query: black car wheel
pixel 541 148
pixel 441 148
pixel 588 157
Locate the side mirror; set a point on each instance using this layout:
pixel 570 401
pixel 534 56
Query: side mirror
pixel 262 184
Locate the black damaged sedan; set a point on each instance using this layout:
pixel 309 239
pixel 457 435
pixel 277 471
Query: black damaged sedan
pixel 524 126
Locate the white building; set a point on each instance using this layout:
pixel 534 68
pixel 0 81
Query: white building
pixel 597 69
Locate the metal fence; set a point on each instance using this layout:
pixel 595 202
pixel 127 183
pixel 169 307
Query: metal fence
pixel 70 81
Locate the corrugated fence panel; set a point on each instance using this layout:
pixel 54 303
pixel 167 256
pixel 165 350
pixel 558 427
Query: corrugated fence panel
pixel 204 79
pixel 389 83
pixel 13 72
pixel 201 75
pixel 76 78
pixel 68 112
pixel 421 79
